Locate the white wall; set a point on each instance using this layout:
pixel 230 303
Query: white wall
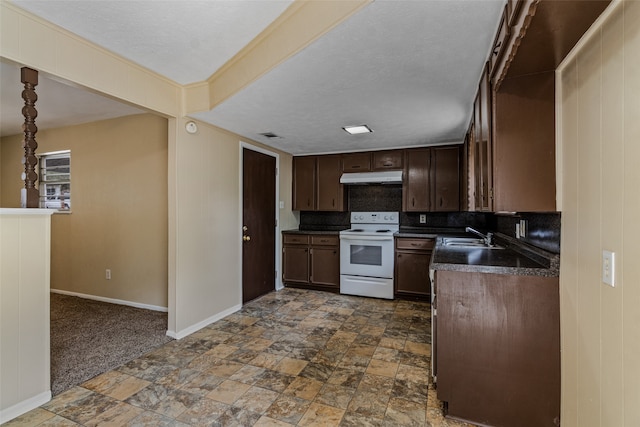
pixel 599 189
pixel 24 310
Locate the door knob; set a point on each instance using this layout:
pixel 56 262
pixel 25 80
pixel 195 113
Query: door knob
pixel 246 238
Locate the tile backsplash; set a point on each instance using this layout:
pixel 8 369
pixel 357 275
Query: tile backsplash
pixel 543 229
pixel 375 198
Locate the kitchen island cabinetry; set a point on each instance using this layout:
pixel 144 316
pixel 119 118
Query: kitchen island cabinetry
pixel 412 256
pixel 311 261
pixel 497 346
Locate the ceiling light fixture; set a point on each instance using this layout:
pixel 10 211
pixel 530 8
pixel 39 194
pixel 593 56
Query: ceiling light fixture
pixel 354 130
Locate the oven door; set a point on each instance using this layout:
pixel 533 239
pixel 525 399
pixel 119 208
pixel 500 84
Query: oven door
pixel 369 256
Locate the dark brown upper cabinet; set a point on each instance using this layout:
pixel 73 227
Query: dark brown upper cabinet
pixel 512 144
pixel 316 184
pixel 445 179
pixel 330 193
pixel 356 162
pixel 416 186
pixel 388 160
pixel 500 41
pixel 304 183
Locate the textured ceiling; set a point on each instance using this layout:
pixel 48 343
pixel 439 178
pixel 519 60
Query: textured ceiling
pixel 408 69
pixel 184 40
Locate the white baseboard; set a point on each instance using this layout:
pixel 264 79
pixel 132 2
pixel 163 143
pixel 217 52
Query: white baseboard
pixel 23 407
pixel 112 300
pixel 194 328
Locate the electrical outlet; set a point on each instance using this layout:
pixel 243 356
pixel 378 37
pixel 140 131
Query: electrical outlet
pixel 423 218
pixel 517 230
pixel 523 228
pixel 107 274
pixel 608 268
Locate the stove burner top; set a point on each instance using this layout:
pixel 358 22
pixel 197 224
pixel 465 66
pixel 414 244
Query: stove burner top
pixel 382 231
pixel 356 230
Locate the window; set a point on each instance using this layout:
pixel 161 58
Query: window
pixel 55 180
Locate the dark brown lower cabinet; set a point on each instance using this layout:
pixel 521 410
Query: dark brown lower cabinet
pixel 311 261
pixel 412 267
pixel 498 348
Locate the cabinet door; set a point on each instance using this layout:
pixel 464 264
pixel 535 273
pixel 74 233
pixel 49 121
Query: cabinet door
pixel 445 178
pixel 388 160
pixel 412 273
pixel 330 192
pixel 356 162
pixel 304 177
pixel 483 174
pixel 325 266
pixel 500 42
pixel 295 264
pixel 415 187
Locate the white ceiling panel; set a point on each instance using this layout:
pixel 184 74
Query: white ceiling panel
pixel 407 68
pixel 184 40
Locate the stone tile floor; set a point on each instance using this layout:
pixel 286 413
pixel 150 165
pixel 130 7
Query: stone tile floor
pixel 290 358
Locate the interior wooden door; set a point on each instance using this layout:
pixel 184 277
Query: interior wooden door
pixel 258 224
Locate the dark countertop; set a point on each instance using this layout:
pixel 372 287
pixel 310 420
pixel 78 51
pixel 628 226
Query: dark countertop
pixel 429 232
pixel 515 259
pixel 325 232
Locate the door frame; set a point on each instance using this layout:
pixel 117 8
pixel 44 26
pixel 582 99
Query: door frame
pixel 278 247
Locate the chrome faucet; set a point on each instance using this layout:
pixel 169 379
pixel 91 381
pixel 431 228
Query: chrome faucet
pixel 488 238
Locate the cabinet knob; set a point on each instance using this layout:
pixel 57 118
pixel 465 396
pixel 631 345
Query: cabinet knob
pixel 246 238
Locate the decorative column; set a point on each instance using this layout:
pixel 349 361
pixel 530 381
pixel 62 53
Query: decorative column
pixel 29 196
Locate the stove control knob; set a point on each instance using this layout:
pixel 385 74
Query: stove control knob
pixel 361 217
pixel 392 217
pixel 386 217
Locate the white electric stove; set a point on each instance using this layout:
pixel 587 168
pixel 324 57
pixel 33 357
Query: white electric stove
pixel 366 254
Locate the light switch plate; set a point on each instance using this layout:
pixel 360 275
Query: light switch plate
pixel 608 268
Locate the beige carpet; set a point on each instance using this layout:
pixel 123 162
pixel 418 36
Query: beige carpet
pixel 91 337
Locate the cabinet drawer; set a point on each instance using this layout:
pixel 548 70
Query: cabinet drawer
pixel 325 240
pixel 295 239
pixel 415 244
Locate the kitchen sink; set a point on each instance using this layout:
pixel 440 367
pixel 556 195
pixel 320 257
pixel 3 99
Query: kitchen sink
pixel 467 243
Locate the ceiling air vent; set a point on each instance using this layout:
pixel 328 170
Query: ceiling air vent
pixel 270 135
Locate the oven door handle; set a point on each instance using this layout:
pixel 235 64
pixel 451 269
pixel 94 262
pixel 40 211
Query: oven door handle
pixel 358 238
